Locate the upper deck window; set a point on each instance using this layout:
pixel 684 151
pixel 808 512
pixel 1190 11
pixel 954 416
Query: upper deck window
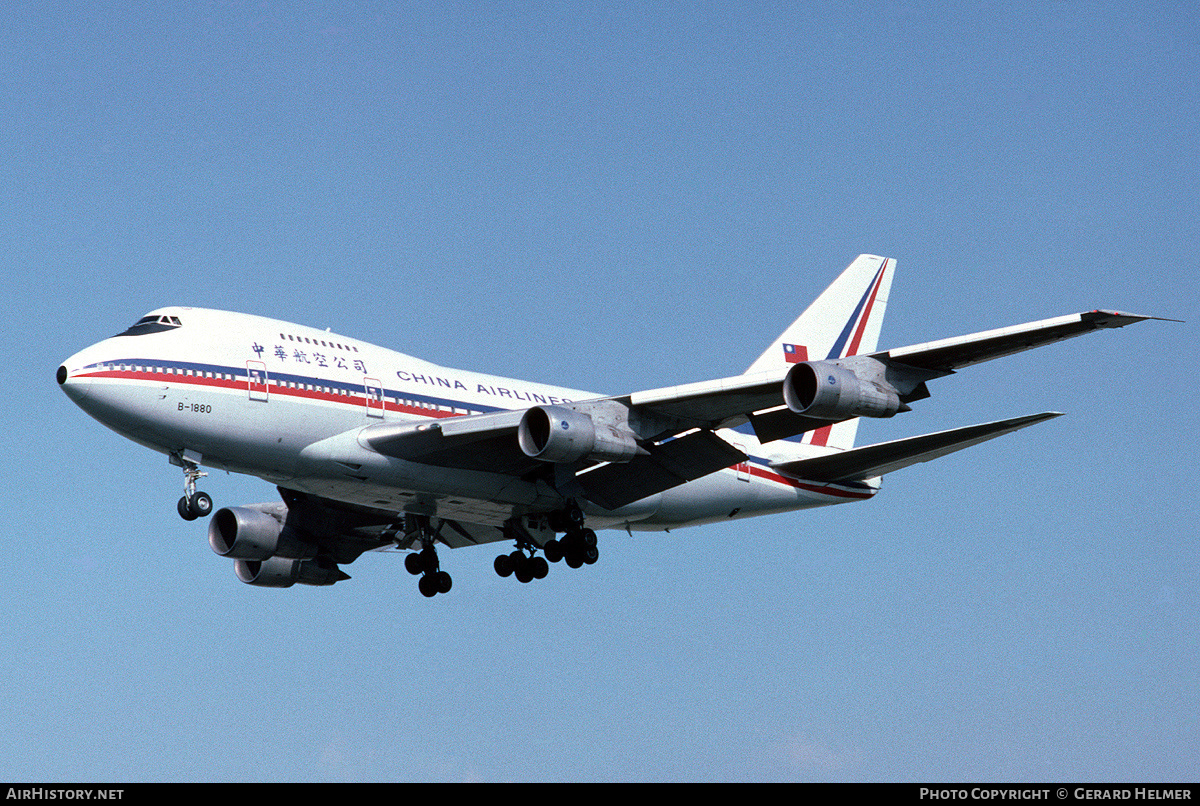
pixel 155 323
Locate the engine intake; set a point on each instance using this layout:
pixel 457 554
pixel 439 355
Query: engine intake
pixel 828 391
pixel 243 533
pixel 560 434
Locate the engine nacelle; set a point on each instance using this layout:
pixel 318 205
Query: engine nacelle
pixel 280 572
pixel 827 391
pixel 560 434
pixel 242 533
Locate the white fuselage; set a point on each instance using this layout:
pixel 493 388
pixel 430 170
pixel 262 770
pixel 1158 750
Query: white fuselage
pixel 284 402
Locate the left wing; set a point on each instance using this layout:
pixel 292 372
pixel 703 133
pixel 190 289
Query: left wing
pixel 493 442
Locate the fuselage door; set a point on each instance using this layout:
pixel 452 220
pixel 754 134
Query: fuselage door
pixel 374 391
pixel 257 381
pixel 742 468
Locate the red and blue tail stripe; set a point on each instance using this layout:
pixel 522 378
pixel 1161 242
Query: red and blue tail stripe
pixel 850 338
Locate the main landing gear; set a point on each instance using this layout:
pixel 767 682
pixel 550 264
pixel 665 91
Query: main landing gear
pixel 424 563
pixel 522 563
pixel 193 504
pixel 577 547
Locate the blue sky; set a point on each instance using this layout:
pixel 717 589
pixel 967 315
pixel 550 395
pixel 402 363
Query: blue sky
pixel 611 197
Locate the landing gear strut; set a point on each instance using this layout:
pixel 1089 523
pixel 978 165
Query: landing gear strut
pixel 424 563
pixel 193 504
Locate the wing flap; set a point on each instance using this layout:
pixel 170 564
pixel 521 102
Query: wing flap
pixel 782 423
pixel 666 465
pixel 476 442
pixel 870 461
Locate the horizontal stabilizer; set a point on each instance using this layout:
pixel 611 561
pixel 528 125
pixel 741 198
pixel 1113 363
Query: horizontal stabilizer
pixel 870 461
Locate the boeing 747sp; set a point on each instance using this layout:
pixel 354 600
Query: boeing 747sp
pixel 372 449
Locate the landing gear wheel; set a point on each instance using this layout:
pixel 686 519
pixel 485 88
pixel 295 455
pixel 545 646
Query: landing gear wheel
pixel 524 562
pixel 524 571
pixel 201 505
pixel 197 506
pixel 434 583
pixel 413 564
pixel 503 565
pixel 185 511
pixel 524 567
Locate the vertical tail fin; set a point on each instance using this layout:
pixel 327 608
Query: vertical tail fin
pixel 844 320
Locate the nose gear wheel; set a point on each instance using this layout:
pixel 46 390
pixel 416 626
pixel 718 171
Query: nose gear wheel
pixel 193 504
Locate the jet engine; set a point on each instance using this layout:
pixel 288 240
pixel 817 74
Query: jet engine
pixel 560 434
pixel 828 391
pixel 280 572
pixel 243 533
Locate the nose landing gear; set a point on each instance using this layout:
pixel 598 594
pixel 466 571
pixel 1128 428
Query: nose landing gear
pixel 193 504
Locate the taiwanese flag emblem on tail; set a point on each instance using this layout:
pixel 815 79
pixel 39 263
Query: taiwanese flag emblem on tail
pixel 795 353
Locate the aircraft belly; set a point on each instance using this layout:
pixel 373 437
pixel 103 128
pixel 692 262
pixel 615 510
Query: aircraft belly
pixel 715 497
pixel 441 505
pixel 727 495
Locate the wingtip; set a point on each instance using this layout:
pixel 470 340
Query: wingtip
pixel 1034 419
pixel 1107 318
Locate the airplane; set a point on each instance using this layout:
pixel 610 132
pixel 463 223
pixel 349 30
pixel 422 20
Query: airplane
pixel 374 450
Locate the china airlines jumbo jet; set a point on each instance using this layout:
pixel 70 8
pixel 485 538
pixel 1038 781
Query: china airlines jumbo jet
pixel 373 449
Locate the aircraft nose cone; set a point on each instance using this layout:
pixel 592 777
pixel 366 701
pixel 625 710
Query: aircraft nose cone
pixel 74 388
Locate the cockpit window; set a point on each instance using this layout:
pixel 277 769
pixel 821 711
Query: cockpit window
pixel 155 323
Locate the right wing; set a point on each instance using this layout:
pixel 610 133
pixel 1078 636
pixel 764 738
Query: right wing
pixel 673 427
pixel 947 355
pixel 905 370
pixel 760 399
